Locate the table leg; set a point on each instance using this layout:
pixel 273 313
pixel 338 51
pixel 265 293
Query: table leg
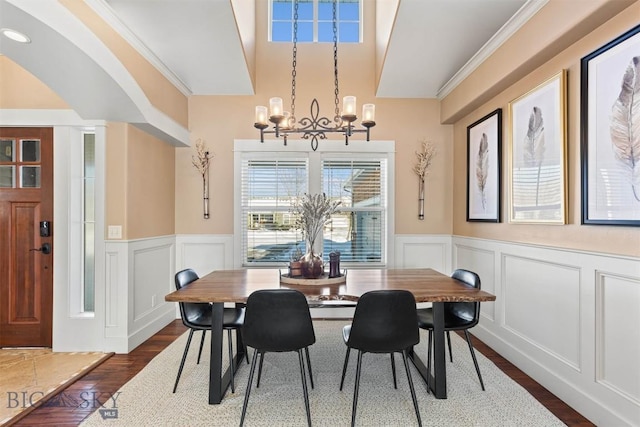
pixel 216 383
pixel 219 382
pixel 439 383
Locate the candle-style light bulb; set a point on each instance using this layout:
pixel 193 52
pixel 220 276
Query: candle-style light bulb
pixel 368 113
pixel 261 115
pixel 275 106
pixel 349 106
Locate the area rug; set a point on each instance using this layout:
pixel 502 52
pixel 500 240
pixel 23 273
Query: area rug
pixel 147 400
pixel 31 376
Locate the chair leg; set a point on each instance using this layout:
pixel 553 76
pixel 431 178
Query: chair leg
pixel 204 332
pixel 429 345
pixel 184 357
pixel 449 342
pixel 344 367
pixel 413 391
pixel 248 390
pixel 473 356
pixel 393 371
pixel 355 389
pixel 260 369
pixel 306 350
pixel 233 371
pixel 305 391
pixel 246 350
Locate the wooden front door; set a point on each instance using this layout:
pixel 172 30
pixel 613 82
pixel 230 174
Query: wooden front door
pixel 26 237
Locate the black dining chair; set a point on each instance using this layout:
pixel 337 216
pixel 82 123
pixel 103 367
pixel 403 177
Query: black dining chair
pixel 197 317
pixel 384 321
pixel 458 316
pixel 278 320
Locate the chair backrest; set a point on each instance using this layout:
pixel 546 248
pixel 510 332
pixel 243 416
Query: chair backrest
pixel 469 311
pixel 384 321
pixel 191 313
pixel 278 320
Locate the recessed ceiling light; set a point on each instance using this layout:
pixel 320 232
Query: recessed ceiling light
pixel 15 35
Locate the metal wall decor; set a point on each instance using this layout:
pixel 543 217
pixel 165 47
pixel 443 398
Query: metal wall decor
pixel 201 162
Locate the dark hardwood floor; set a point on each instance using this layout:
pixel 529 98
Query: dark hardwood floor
pixel 83 397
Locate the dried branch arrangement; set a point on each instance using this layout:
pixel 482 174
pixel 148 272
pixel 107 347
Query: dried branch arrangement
pixel 425 157
pixel 202 157
pixel 313 212
pixel 201 162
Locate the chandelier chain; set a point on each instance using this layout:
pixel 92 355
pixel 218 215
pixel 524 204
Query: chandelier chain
pixel 294 62
pixel 336 119
pixel 314 127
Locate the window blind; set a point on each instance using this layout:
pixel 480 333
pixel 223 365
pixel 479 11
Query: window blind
pixel 269 188
pixel 357 230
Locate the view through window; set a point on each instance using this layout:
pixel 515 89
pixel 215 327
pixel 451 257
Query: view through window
pixel 315 21
pixel 270 185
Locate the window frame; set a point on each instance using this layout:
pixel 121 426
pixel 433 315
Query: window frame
pixel 328 149
pixel 315 22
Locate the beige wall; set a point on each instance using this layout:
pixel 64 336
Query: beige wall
pixel 139 189
pixel 149 185
pixel 616 240
pixel 221 119
pixel 20 89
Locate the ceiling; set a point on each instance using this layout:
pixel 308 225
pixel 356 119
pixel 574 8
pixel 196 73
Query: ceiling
pixel 190 36
pixel 428 45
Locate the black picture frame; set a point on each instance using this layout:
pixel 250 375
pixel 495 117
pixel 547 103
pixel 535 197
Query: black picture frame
pixel 484 168
pixel 610 178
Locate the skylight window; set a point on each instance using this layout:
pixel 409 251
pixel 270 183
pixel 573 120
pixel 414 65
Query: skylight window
pixel 315 21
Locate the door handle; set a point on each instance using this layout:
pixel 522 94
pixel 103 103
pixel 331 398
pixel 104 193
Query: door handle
pixel 45 249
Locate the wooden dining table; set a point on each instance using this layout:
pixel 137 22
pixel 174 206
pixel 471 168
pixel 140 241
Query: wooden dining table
pixel 235 286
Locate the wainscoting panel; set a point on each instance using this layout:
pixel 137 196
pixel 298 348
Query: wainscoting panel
pixel 116 259
pixel 567 318
pixel 152 270
pixel 483 262
pixel 204 253
pixel 541 305
pixel 423 251
pixel 618 320
pixel 138 275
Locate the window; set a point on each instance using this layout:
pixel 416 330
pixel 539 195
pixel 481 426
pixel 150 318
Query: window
pixel 268 183
pixel 269 187
pixel 315 21
pixel 356 230
pixel 88 219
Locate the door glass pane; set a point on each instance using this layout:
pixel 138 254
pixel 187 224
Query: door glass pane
pixel 7 150
pixel 89 196
pixel 30 150
pixel 89 267
pixel 89 199
pixel 7 174
pixel 30 176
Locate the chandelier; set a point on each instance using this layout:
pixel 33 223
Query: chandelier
pixel 313 128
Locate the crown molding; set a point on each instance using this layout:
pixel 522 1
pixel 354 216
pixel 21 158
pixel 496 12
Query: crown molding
pixel 106 12
pixel 526 12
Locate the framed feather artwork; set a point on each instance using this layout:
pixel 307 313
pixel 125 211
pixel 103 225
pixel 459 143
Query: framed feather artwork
pixel 610 129
pixel 538 154
pixel 484 171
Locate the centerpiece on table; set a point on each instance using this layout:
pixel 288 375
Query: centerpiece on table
pixel 313 212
